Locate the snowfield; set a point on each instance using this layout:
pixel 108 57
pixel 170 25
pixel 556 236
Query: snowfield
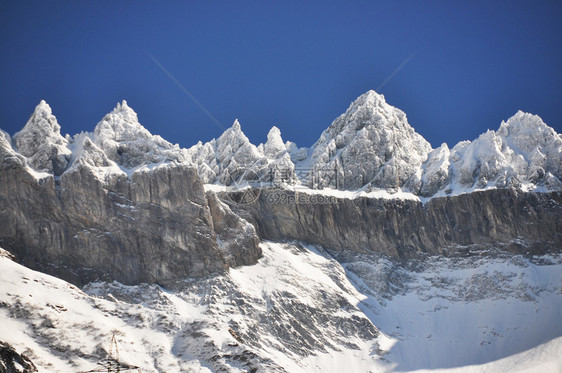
pixel 300 309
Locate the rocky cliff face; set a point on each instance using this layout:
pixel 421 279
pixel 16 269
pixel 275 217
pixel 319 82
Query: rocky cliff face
pixel 122 204
pixel 503 219
pixel 109 220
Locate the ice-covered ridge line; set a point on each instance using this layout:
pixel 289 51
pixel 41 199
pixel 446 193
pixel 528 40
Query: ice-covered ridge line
pixel 369 147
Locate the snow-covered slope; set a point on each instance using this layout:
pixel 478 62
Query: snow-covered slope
pixel 299 310
pixel 445 313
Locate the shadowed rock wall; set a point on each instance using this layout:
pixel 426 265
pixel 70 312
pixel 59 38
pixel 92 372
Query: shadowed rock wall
pixel 155 226
pixel 503 218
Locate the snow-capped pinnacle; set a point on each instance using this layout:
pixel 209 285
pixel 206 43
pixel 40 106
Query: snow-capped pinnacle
pixel 274 144
pixel 236 125
pixel 121 124
pixel 370 97
pixel 125 111
pixel 126 142
pixel 370 101
pixel 523 153
pixel 540 145
pixel 42 120
pixel 43 106
pixel 274 132
pixel 233 137
pixel 229 158
pixel 371 143
pixel 527 129
pixel 41 142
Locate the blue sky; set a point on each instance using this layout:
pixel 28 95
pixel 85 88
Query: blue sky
pixel 296 65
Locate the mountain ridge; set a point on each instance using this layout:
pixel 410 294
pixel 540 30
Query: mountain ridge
pixel 371 146
pixel 228 256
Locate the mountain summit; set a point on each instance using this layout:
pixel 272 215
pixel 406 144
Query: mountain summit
pixel 372 144
pixel 369 147
pixel 231 257
pixel 41 142
pixel 125 141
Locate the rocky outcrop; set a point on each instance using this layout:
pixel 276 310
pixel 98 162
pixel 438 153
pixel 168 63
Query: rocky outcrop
pixel 41 143
pixel 13 362
pixel 504 219
pixel 101 219
pixel 236 237
pixel 372 144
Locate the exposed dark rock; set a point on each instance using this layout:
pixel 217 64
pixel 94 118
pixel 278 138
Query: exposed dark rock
pixel 155 226
pixel 13 362
pixel 503 218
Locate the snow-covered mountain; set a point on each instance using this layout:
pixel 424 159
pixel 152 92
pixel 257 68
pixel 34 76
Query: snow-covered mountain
pixel 233 159
pixel 371 144
pixel 372 147
pixel 367 252
pixel 523 153
pixel 299 310
pixel 41 143
pixel 369 147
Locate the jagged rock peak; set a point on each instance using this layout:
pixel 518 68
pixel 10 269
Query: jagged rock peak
pixel 274 144
pixel 41 142
pixel 523 153
pixel 234 131
pixel 373 144
pixel 41 124
pixel 522 120
pixel 126 142
pixel 233 137
pixel 126 111
pixel 527 131
pixel 370 98
pixel 373 103
pixel 121 124
pixel 43 106
pixel 236 125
